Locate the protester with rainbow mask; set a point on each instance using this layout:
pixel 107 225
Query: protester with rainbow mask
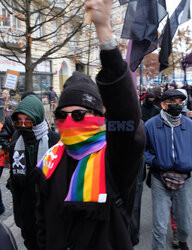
pixel 76 208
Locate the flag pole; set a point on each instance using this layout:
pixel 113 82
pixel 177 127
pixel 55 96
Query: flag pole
pixel 173 72
pixel 141 78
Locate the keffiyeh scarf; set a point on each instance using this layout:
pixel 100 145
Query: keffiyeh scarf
pixel 170 120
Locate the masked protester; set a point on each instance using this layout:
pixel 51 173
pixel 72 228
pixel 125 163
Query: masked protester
pixel 33 140
pixel 168 152
pixel 76 209
pixel 148 108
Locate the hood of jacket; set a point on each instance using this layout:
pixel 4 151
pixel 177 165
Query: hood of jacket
pixel 32 107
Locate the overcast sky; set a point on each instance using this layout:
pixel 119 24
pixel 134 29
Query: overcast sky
pixel 172 5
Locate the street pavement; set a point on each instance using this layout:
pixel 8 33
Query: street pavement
pixel 146 224
pixel 146 218
pixel 7 216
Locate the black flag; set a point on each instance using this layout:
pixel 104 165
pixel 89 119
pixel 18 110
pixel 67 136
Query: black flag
pixel 141 24
pixel 179 16
pixel 166 47
pixel 123 1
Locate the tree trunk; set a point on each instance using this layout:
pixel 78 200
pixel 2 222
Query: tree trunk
pixel 29 80
pixel 28 62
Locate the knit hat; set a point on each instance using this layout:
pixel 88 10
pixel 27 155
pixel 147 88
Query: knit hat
pixel 172 94
pixel 150 95
pixel 80 90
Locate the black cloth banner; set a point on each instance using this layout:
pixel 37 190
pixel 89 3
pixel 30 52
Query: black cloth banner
pixel 179 16
pixel 141 23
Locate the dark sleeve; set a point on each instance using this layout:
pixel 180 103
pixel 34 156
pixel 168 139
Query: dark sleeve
pixel 149 152
pixel 6 134
pixel 41 192
pixel 56 95
pixel 125 133
pixel 53 138
pixel 40 220
pixel 48 95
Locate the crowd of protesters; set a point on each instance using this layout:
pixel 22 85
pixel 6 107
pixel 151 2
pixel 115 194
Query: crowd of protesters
pixel 81 188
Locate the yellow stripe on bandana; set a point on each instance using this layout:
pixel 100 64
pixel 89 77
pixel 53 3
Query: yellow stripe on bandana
pixel 76 139
pixel 87 189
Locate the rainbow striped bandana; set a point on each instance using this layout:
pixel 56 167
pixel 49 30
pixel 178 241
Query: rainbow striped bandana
pixel 84 141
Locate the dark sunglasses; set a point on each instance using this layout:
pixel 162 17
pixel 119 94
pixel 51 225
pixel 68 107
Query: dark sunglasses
pixel 77 115
pixel 19 123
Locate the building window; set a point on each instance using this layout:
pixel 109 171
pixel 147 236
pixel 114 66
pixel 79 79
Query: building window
pixel 6 19
pixel 39 28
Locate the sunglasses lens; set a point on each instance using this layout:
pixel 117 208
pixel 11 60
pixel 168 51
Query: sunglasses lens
pixel 78 115
pixel 60 115
pixel 28 124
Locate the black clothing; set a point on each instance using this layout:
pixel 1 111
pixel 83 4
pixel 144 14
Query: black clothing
pixel 80 90
pixel 24 199
pixel 6 134
pixel 172 93
pixel 28 135
pixel 148 111
pixel 30 144
pixel 92 225
pixel 52 96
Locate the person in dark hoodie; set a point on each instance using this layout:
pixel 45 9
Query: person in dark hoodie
pixel 7 131
pixel 76 208
pixel 34 139
pixel 148 108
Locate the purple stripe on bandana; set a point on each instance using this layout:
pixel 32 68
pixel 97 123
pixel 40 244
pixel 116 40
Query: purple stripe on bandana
pixel 90 151
pixel 72 190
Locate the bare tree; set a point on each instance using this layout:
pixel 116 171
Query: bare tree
pixel 181 46
pixel 49 24
pixel 151 65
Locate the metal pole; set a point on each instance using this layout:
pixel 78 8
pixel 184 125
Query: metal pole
pixel 173 72
pixel 41 90
pixel 185 76
pixel 141 78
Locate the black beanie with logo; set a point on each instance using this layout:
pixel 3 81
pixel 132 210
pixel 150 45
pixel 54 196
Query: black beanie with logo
pixel 80 90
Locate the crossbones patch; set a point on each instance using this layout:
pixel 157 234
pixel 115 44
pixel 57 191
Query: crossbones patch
pixel 19 163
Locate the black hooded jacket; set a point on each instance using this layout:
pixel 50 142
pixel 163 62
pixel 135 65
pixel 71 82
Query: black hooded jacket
pixel 22 186
pixel 148 110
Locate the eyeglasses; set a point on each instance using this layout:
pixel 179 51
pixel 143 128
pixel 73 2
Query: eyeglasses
pixel 77 115
pixel 27 123
pixel 174 102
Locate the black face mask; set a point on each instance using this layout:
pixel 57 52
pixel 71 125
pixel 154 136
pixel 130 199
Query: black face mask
pixel 149 103
pixel 174 109
pixel 28 134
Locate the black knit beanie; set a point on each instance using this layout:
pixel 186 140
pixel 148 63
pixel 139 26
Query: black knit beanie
pixel 150 95
pixel 80 90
